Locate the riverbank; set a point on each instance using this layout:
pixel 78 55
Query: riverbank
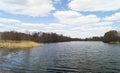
pixel 18 44
pixel 115 42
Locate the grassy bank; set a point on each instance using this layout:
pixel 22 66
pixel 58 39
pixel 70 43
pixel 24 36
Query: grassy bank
pixel 18 44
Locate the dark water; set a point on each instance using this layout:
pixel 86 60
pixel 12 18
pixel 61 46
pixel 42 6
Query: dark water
pixel 68 57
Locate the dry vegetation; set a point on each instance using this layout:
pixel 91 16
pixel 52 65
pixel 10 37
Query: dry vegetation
pixel 18 44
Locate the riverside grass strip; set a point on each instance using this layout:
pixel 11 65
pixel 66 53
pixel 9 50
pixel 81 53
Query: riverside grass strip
pixel 18 44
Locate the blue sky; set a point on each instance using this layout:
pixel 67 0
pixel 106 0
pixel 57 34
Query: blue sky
pixel 75 18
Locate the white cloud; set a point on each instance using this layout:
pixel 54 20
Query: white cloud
pixel 7 20
pixel 83 32
pixel 94 28
pixel 27 7
pixel 94 5
pixel 82 25
pixel 114 17
pixel 10 24
pixel 75 18
pixel 70 23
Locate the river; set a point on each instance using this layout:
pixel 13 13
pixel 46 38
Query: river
pixel 65 57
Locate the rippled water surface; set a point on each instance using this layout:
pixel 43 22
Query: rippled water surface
pixel 67 57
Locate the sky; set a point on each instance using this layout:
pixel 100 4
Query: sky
pixel 74 18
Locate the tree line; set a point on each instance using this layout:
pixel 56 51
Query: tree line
pixel 36 36
pixel 110 36
pixel 95 38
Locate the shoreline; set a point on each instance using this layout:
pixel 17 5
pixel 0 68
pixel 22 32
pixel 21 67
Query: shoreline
pixel 18 44
pixel 115 42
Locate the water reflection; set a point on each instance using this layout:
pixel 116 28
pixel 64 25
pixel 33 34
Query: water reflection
pixel 69 57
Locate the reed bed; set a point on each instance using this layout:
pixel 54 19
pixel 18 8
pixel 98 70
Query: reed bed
pixel 18 44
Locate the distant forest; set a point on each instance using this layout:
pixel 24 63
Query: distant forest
pixel 111 36
pixel 36 36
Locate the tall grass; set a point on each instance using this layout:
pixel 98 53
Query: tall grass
pixel 18 44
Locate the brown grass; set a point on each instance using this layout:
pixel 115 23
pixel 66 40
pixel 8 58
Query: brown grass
pixel 18 44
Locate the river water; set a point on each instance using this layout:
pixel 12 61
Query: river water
pixel 65 57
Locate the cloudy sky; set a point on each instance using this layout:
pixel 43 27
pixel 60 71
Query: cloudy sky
pixel 75 18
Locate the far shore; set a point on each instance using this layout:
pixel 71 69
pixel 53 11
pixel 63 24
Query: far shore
pixel 115 42
pixel 18 44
